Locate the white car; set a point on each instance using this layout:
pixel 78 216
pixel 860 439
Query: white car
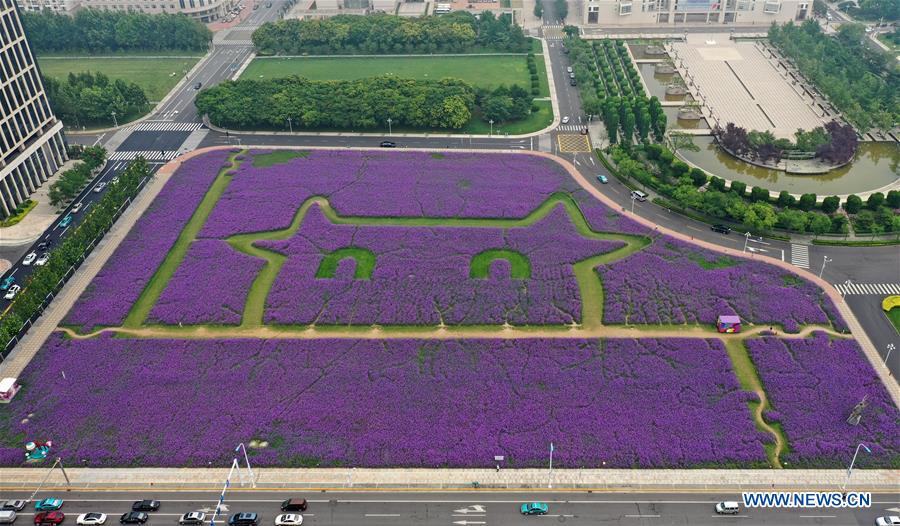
pixel 565 120
pixel 289 519
pixel 193 517
pixel 91 519
pixel 729 507
pixel 77 207
pixel 99 188
pixel 29 259
pixel 114 180
pixel 41 261
pixel 569 69
pixel 11 293
pixel 893 520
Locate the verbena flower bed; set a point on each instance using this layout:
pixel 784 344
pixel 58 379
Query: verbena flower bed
pixel 628 403
pixel 813 385
pixel 672 281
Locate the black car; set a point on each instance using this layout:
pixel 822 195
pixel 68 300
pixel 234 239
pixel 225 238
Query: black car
pixel 145 505
pixel 44 245
pixel 722 229
pixel 388 144
pixel 198 85
pixel 294 505
pixel 572 82
pixel 244 519
pixel 134 517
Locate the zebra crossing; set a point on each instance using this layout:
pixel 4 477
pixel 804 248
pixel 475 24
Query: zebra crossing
pixel 553 32
pixel 167 126
pixel 570 127
pixel 800 255
pixel 881 289
pixel 150 155
pixel 239 42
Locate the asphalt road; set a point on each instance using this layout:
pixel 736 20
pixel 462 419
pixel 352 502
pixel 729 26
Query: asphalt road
pixel 474 508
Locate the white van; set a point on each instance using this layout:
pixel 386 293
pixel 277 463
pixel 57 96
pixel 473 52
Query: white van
pixel 728 508
pixel 7 516
pixel 638 195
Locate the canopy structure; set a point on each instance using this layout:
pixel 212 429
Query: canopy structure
pixel 8 389
pixel 728 324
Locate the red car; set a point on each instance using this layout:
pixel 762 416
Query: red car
pixel 49 517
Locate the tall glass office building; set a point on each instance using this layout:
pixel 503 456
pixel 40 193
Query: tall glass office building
pixel 31 142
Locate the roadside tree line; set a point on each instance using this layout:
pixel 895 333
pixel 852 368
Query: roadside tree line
pixel 99 31
pixel 48 279
pixel 380 33
pixel 73 180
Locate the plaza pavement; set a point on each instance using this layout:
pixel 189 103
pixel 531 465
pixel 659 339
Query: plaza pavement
pixel 623 479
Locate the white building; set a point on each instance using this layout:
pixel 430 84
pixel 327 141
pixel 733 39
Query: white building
pixel 31 142
pixel 671 13
pixel 60 6
pixel 202 10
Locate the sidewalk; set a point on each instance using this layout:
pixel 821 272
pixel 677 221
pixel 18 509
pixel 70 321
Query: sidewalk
pixel 39 219
pixel 633 480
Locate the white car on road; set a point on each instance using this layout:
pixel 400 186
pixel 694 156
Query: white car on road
pixel 41 261
pixel 887 521
pixel 29 259
pixel 565 120
pixel 193 517
pixel 289 519
pixel 77 207
pixel 11 293
pixel 91 519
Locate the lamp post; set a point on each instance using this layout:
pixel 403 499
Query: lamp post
pixel 850 469
pixel 824 261
pixel 492 126
pixel 550 475
pixel 115 123
pixel 890 347
pixel 746 239
pixel 389 121
pixel 290 124
pixel 633 199
pixel 247 460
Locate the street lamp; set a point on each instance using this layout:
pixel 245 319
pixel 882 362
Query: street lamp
pixel 492 126
pixel 290 124
pixel 115 123
pixel 746 239
pixel 850 469
pixel 824 261
pixel 247 460
pixel 633 199
pixel 890 347
pixel 550 475
pixel 389 121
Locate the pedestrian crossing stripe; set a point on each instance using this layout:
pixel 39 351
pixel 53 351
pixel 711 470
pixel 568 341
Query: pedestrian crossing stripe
pixel 800 255
pixel 150 155
pixel 881 289
pixel 243 42
pixel 570 127
pixel 167 126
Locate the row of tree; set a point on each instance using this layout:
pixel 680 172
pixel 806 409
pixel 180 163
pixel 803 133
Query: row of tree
pixel 71 181
pixel 873 9
pixel 562 9
pixel 348 104
pixel 628 117
pixel 504 104
pixel 92 98
pixel 380 33
pixel 835 143
pixel 100 31
pixel 861 82
pixel 47 280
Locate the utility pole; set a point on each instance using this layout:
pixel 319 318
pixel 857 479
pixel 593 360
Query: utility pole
pixel 492 127
pixel 390 132
pixel 824 261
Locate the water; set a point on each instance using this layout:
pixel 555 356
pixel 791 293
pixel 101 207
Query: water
pixel 876 165
pixel 672 122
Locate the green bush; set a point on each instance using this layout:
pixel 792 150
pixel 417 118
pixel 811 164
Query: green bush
pixel 875 201
pixel 785 199
pixel 758 193
pixel 831 204
pixel 807 202
pixel 739 188
pixel 698 177
pixel 893 199
pixel 717 183
pixel 853 204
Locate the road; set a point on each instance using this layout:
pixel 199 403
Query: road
pixel 483 508
pixel 175 128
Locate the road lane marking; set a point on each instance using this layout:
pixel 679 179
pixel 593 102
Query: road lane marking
pixel 382 514
pixel 817 516
pixel 643 516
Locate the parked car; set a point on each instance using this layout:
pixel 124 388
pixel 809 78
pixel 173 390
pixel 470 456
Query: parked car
pixel 41 261
pixel 145 505
pixel 572 82
pixel 388 144
pixel 49 517
pixel 29 259
pixel 893 520
pixel 534 508
pixel 7 283
pixel 244 519
pixel 99 188
pixel 15 505
pixel 294 505
pixel 50 504
pixel 91 519
pixel 602 179
pixel 722 229
pixel 289 519
pixel 728 507
pixel 77 207
pixel 133 517
pixel 193 517
pixel 66 221
pixel 11 293
pixel 569 69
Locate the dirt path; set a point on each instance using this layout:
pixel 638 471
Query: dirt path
pixel 779 438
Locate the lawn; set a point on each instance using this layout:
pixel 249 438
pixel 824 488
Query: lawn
pixel 487 71
pixel 894 316
pixel 152 74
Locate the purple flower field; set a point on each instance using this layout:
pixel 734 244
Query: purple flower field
pixel 210 286
pixel 675 282
pixel 813 385
pixel 421 275
pixel 629 403
pixel 120 282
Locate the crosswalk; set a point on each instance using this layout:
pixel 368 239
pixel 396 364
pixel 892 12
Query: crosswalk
pixel 800 255
pixel 167 126
pixel 570 127
pixel 150 155
pixel 553 32
pixel 881 289
pixel 239 42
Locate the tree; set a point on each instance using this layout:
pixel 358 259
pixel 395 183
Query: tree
pixel 875 201
pixel 807 202
pixel 538 9
pixel 819 223
pixel 760 216
pixel 739 188
pixel 682 141
pixel 717 183
pixel 785 199
pixel 831 204
pixel 562 9
pixel 792 219
pixel 698 176
pixel 853 204
pixel 893 199
pixel 758 193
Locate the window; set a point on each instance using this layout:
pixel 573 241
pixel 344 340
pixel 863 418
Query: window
pixel 772 7
pixel 625 8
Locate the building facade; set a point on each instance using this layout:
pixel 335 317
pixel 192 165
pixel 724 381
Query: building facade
pixel 65 7
pixel 202 10
pixel 32 147
pixel 671 13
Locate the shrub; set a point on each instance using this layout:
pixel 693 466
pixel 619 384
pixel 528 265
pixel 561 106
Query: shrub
pixel 698 176
pixel 758 193
pixel 807 202
pixel 893 199
pixel 875 201
pixel 831 204
pixel 785 199
pixel 853 204
pixel 717 183
pixel 739 188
